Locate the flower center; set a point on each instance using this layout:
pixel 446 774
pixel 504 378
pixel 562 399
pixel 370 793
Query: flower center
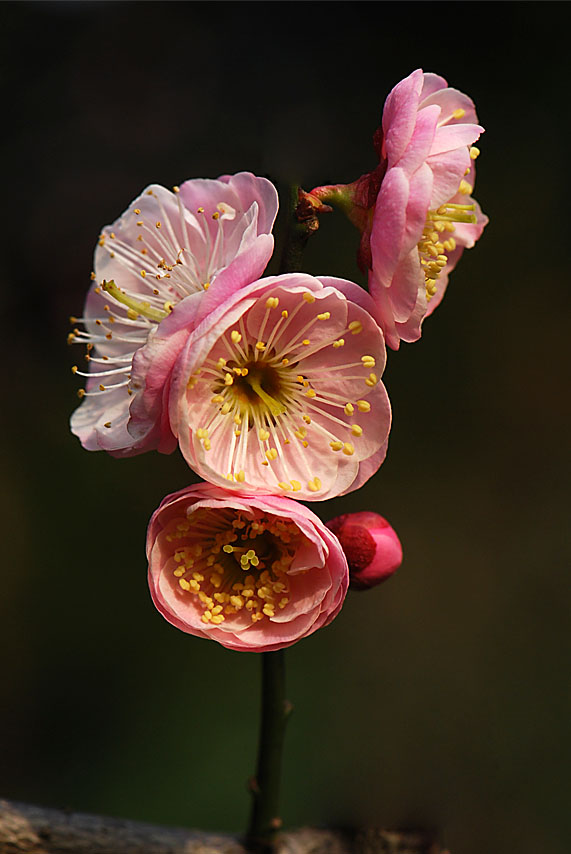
pixel 231 562
pixel 434 246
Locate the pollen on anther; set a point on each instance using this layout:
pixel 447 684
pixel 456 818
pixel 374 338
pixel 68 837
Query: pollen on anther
pixel 474 152
pixel 459 113
pixel 272 302
pixel 235 336
pixel 348 449
pixel 355 327
pixel 372 380
pixel 348 409
pixel 363 406
pixel 309 298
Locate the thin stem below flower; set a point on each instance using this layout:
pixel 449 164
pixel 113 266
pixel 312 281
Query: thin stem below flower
pixel 265 786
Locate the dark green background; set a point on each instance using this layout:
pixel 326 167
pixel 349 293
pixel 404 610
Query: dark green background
pixel 439 698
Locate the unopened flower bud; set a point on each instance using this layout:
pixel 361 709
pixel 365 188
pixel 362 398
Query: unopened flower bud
pixel 371 546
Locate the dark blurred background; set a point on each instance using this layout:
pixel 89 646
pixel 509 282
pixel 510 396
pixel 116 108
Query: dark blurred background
pixel 438 699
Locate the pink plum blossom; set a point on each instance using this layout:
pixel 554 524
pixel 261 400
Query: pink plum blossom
pixel 415 210
pixel 276 388
pixel 164 252
pixel 371 546
pixel 254 573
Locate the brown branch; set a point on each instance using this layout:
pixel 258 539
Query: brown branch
pixel 26 829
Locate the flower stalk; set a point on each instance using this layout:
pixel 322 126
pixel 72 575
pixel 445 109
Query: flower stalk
pixel 265 786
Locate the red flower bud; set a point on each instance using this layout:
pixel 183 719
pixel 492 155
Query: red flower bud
pixel 371 546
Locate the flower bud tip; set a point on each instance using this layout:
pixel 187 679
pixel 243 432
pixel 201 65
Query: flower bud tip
pixel 371 546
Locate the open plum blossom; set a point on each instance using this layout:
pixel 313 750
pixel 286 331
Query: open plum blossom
pixel 168 248
pixel 278 387
pixel 255 573
pixel 415 210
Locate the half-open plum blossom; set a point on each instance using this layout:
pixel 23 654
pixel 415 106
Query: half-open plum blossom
pixel 415 209
pixel 278 387
pixel 255 573
pixel 168 248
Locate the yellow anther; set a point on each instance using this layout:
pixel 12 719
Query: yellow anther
pixel 228 379
pixel 206 617
pixel 348 409
pixel 237 602
pixel 310 393
pixel 137 211
pixel 283 485
pixel 107 424
pixel 194 585
pixel 474 152
pixel 372 380
pixel 217 619
pixel 247 592
pixel 459 113
pixel 272 302
pixel 263 434
pixel 157 224
pixel 228 549
pixel 139 223
pixel 339 343
pixel 295 485
pixel 220 363
pixel 356 430
pixel 235 336
pixel 301 433
pixel 306 418
pixel 216 581
pixel 368 361
pixel 335 446
pixel 207 444
pixel 285 361
pixel 143 273
pixel 283 602
pixel 260 345
pixel 237 419
pixel 314 485
pixel 348 449
pixel 206 285
pixel 324 316
pixel 202 433
pixel 226 408
pixel 272 454
pixel 268 610
pixel 308 297
pixel 256 616
pixel 465 188
pixel 241 476
pixel 217 399
pixel 284 313
pixel 355 327
pixel 184 584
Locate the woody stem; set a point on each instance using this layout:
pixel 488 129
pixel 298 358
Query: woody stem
pixel 265 787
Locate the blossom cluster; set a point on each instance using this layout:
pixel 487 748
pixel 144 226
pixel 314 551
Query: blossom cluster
pixel 271 386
